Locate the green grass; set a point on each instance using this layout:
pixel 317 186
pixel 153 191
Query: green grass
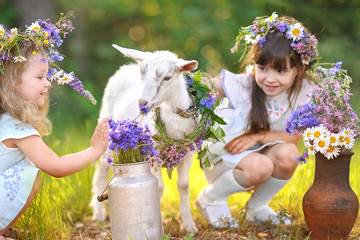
pixel 63 202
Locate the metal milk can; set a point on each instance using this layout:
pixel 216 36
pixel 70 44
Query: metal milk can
pixel 134 203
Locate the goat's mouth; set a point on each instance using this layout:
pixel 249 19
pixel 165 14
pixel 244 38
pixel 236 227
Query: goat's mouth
pixel 152 107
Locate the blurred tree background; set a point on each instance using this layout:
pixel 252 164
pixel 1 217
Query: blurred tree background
pixel 194 29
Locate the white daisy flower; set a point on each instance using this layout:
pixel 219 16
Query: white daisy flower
pixel 249 39
pixel 342 136
pixel 34 27
pixel 272 18
pixel 296 32
pixel 56 76
pixel 19 59
pixel 321 145
pixel 14 31
pixel 310 147
pixel 2 30
pixel 320 132
pixel 346 131
pixel 349 141
pixel 249 68
pixel 65 79
pixel 308 134
pixel 332 152
pixel 334 139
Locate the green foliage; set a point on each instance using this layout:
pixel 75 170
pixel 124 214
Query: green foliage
pixel 204 30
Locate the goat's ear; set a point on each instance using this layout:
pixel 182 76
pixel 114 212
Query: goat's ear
pixel 186 66
pixel 132 53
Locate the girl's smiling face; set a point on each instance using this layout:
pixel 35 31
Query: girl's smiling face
pixel 274 81
pixel 34 84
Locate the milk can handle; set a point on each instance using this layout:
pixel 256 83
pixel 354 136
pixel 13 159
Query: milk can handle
pixel 105 195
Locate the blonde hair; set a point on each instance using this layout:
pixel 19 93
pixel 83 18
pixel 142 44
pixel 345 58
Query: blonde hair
pixel 11 100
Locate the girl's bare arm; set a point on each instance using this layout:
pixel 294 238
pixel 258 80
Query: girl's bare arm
pixel 48 161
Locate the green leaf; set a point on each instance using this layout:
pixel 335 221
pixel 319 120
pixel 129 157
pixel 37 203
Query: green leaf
pixel 197 77
pixel 220 134
pixel 218 119
pixel 201 154
pixel 189 236
pixel 203 88
pixel 207 162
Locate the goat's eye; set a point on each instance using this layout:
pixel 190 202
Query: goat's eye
pixel 167 78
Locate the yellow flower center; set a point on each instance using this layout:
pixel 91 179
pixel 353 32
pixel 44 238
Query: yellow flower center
pixel 331 149
pixel 347 132
pixel 36 28
pixel 347 140
pixel 321 143
pixel 341 138
pixel 311 148
pixel 1 32
pixel 333 139
pixel 296 31
pixel 308 134
pixel 317 134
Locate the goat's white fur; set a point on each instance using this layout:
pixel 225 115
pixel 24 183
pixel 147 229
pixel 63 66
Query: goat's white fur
pixel 156 81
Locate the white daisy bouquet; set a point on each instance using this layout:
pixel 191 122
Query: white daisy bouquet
pixel 328 123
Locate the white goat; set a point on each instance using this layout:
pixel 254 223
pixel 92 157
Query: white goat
pixel 157 81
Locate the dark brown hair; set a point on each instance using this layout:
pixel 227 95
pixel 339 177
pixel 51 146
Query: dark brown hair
pixel 276 51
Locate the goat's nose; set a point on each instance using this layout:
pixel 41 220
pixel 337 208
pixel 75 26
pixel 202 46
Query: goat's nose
pixel 143 102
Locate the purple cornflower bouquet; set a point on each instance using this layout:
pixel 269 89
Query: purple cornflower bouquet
pixel 328 123
pixel 129 142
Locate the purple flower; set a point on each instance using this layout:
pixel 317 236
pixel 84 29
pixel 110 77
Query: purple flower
pixel 144 109
pixel 302 158
pixel 208 102
pixel 261 41
pixel 129 142
pixel 302 118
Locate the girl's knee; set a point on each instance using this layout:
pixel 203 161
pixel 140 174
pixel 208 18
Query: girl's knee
pixel 286 157
pixel 256 170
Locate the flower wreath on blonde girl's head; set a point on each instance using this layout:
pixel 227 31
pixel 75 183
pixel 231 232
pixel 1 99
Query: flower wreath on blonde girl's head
pixel 328 123
pixel 305 44
pixel 202 90
pixel 46 36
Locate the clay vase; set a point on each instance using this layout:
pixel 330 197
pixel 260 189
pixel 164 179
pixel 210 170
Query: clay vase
pixel 330 205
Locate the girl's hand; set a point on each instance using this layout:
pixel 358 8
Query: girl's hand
pixel 241 143
pixel 100 138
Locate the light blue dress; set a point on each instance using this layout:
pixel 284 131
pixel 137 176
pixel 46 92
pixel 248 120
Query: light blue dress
pixel 17 174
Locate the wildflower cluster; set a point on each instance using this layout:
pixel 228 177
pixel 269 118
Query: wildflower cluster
pixel 129 142
pixel 328 123
pixel 303 43
pixel 46 37
pixel 205 100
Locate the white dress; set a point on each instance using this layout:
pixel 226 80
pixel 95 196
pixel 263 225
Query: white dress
pixel 17 174
pixel 238 89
